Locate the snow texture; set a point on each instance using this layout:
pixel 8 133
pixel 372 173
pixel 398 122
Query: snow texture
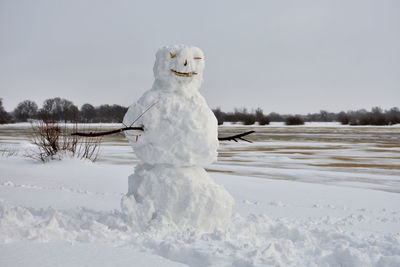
pixel 306 224
pixel 185 196
pixel 180 137
pixel 60 254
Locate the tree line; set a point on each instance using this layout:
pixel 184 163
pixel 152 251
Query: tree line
pixel 63 110
pixel 376 116
pixel 59 109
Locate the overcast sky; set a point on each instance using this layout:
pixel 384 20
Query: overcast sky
pixel 282 56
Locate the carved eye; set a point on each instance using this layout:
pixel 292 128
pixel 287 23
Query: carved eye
pixel 172 55
pixel 197 58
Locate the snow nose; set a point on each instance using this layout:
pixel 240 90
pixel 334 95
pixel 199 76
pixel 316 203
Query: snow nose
pixel 184 64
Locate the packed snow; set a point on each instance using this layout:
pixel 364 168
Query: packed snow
pixel 180 137
pixel 186 197
pixel 75 205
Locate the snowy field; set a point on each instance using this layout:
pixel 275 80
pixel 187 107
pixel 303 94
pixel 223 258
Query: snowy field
pixel 312 195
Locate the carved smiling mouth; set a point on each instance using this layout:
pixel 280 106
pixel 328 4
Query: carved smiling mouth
pixel 184 74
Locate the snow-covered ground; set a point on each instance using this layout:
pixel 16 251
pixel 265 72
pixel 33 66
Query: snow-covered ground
pixel 322 195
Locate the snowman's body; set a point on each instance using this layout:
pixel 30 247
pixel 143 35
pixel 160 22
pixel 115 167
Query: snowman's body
pixel 180 137
pixel 179 129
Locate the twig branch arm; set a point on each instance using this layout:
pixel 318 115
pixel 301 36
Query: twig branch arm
pixel 92 134
pixel 227 138
pixel 235 137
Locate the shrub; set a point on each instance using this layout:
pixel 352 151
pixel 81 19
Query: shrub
pixel 54 142
pixel 260 117
pixel 343 118
pixel 294 120
pixel 380 120
pixel 249 119
pixel 263 120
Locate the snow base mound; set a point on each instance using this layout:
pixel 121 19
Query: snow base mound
pixel 181 198
pixel 255 240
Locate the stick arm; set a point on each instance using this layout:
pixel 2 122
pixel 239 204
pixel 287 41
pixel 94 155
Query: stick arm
pixel 140 128
pixel 96 134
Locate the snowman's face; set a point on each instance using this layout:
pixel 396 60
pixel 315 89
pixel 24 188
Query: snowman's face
pixel 179 65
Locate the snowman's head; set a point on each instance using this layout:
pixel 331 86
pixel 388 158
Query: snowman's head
pixel 179 66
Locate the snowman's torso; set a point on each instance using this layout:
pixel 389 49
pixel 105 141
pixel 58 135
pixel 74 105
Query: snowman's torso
pixel 179 130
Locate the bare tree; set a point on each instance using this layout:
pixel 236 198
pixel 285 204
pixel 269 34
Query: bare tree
pixel 59 109
pixel 87 113
pixel 343 118
pixel 110 113
pixel 273 116
pixel 25 110
pixel 219 115
pixel 4 116
pixel 394 115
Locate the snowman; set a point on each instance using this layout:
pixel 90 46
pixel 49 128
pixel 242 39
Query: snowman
pixel 179 137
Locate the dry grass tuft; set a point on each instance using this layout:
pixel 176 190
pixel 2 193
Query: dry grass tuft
pixel 7 151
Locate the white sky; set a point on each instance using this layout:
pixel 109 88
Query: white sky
pixel 282 56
